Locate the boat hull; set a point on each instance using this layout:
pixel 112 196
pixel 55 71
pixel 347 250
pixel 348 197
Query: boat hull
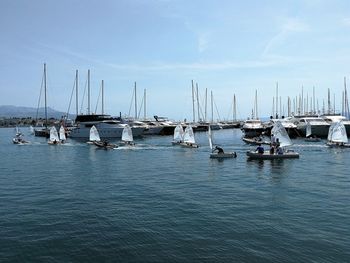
pixel 188 145
pixel 223 155
pixel 267 156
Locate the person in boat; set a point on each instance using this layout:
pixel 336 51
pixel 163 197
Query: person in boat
pixel 277 143
pixel 105 143
pixel 273 139
pixel 219 150
pixel 55 142
pixel 260 149
pixel 272 149
pixel 279 150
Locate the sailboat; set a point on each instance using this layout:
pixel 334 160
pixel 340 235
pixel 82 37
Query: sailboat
pixel 178 135
pixel 220 153
pixel 94 135
pixel 189 140
pixel 18 139
pixel 62 134
pixel 309 136
pixel 127 137
pixel 54 139
pixel 282 137
pixel 337 136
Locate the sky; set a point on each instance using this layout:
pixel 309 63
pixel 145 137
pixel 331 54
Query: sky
pixel 226 47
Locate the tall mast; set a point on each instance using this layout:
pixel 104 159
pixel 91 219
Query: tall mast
pixel 45 95
pixel 197 102
pixel 234 108
pixel 76 93
pixel 144 104
pixel 194 113
pixel 135 101
pixel 212 106
pixel 277 100
pixel 102 91
pixel 313 98
pixel 205 108
pixel 89 91
pixel 256 105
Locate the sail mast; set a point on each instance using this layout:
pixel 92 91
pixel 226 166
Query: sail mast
pixel 144 104
pixel 193 111
pixel 45 95
pixel 135 101
pixel 102 91
pixel 76 93
pixel 197 95
pixel 88 91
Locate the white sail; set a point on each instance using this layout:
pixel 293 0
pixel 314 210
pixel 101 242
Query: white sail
pixel 338 133
pixel 178 133
pixel 31 129
pixel 62 133
pixel 94 136
pixel 280 132
pixel 330 131
pixel 308 129
pixel 189 136
pixel 210 137
pixel 127 134
pixel 54 134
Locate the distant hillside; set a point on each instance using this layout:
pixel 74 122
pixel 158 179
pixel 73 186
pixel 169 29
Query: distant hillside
pixel 9 111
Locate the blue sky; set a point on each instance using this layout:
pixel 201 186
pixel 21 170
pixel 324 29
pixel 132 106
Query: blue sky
pixel 228 47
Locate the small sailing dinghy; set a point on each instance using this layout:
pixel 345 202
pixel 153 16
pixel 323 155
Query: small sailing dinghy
pixel 127 138
pixel 309 136
pixel 178 135
pixel 218 152
pixel 337 136
pixel 62 134
pixel 189 141
pixel 54 139
pixel 18 139
pixel 94 135
pixel 281 152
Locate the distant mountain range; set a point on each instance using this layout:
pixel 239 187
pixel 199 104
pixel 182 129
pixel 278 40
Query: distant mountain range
pixel 9 111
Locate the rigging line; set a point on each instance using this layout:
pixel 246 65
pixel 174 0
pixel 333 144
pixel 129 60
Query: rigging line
pixel 71 96
pixel 139 113
pixel 82 101
pixel 98 98
pixel 216 108
pixel 41 91
pixel 131 103
pixel 230 111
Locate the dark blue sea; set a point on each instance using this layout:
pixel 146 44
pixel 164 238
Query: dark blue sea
pixel 160 203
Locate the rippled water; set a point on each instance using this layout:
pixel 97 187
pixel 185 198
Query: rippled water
pixel 157 202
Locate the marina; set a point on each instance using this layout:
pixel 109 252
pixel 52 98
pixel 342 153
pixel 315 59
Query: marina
pixel 157 202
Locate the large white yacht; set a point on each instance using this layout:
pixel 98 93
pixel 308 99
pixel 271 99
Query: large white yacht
pixel 253 128
pixel 318 125
pixel 107 126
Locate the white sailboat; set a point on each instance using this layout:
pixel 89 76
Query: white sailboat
pixel 217 152
pixel 309 136
pixel 284 141
pixel 54 139
pixel 337 136
pixel 18 139
pixel 189 140
pixel 178 135
pixel 127 137
pixel 94 135
pixel 62 134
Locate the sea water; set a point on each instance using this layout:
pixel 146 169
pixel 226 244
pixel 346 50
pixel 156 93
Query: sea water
pixel 161 203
